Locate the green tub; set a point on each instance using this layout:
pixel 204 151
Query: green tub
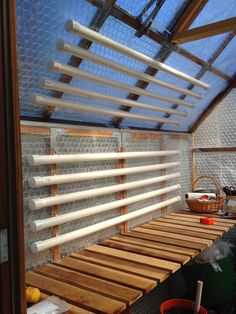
pixel 218 287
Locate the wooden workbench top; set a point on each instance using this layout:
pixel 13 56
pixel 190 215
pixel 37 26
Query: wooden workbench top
pixel 112 275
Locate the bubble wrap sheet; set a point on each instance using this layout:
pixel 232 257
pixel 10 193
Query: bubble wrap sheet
pixel 218 130
pixel 65 142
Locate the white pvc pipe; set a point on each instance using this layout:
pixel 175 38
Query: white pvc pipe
pixel 66 104
pixel 36 182
pixel 78 29
pixel 36 204
pixel 86 55
pixel 39 246
pixel 36 160
pixel 66 88
pixel 72 71
pixel 41 224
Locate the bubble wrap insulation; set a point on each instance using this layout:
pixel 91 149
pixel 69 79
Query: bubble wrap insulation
pixel 218 130
pixel 65 143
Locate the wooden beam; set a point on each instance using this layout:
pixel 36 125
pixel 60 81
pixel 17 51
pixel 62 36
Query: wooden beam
pixel 215 102
pixel 191 11
pixel 12 270
pixel 208 30
pixel 214 149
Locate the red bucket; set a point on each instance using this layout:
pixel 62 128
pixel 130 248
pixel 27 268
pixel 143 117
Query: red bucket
pixel 187 304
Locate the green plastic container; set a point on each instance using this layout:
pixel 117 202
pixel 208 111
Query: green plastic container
pixel 218 287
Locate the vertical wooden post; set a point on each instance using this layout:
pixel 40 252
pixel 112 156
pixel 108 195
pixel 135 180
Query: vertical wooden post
pixel 123 194
pixel 56 254
pixel 193 160
pixel 163 172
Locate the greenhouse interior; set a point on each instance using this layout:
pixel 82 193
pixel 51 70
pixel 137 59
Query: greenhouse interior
pixel 118 163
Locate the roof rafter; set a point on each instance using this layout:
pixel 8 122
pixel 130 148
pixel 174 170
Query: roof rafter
pixel 205 31
pixel 203 71
pixel 98 20
pixel 191 11
pixel 191 6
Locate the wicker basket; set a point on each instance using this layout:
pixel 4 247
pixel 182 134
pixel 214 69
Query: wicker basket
pixel 210 206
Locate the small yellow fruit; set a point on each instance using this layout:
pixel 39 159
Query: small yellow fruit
pixel 32 295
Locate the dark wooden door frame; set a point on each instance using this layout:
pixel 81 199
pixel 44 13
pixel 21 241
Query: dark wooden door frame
pixel 12 275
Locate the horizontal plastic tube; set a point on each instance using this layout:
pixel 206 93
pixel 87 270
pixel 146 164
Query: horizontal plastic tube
pixel 72 71
pixel 36 160
pixel 78 29
pixel 41 224
pixel 86 55
pixel 36 204
pixel 36 182
pixel 66 88
pixel 39 246
pixel 55 102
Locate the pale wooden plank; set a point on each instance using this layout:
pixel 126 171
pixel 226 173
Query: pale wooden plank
pixel 112 275
pixel 171 266
pixel 91 283
pixel 177 226
pixel 73 309
pixel 134 248
pixel 182 231
pixel 153 244
pixel 127 266
pixel 189 219
pixel 76 296
pixel 181 222
pixel 174 236
pixel 160 239
pixel 219 219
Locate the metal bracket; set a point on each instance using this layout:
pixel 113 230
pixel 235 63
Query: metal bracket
pixel 3 246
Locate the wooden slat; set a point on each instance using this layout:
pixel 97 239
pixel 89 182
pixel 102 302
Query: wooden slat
pixel 138 135
pixel 36 130
pixel 85 132
pixel 119 264
pixel 137 248
pixel 214 149
pixel 112 275
pixel 76 296
pixel 160 239
pixel 73 309
pixel 177 226
pixel 224 220
pixel 91 283
pixel 170 266
pixel 174 236
pixel 161 246
pixel 182 231
pixel 183 222
pixel 204 31
pixel 221 222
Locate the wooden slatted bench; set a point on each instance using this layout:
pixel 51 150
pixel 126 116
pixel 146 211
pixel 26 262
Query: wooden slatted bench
pixel 110 276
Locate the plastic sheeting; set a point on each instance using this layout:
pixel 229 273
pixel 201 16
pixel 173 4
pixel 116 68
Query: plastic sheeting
pixel 63 142
pixel 39 25
pixel 217 84
pixel 165 17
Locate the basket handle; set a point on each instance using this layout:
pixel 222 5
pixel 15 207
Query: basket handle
pixel 216 184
